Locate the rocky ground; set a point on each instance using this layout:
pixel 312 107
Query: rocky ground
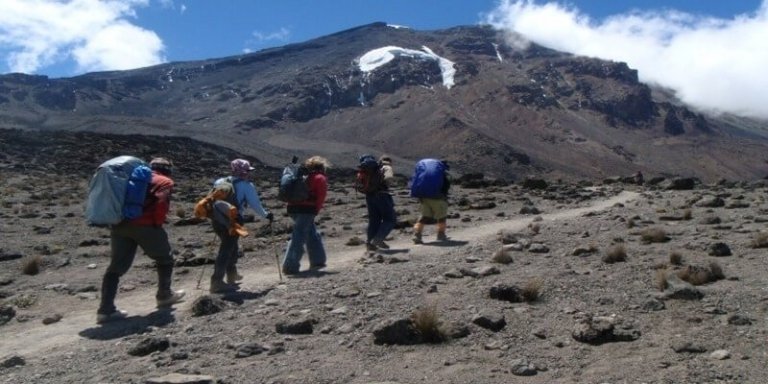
pixel 570 284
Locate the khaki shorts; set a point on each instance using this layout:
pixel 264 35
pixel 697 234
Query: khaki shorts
pixel 434 208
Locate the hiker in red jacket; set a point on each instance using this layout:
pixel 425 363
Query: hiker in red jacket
pixel 303 214
pixel 146 232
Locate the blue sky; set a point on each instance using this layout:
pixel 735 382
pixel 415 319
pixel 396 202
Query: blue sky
pixel 62 38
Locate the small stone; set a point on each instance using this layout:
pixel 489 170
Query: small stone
pixel 720 354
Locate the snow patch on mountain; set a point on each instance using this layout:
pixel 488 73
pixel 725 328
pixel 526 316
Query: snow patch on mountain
pixel 376 58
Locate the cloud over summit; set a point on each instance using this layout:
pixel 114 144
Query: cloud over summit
pixel 718 65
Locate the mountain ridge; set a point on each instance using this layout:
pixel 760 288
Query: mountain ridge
pixel 512 113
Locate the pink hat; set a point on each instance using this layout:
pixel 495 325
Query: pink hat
pixel 240 167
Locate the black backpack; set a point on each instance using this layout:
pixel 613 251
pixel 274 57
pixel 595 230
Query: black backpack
pixel 370 176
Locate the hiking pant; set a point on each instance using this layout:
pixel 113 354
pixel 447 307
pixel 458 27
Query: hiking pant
pixel 226 259
pixel 381 215
pixel 304 232
pixel 434 209
pixel 125 238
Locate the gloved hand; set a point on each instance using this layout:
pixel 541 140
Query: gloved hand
pixel 270 217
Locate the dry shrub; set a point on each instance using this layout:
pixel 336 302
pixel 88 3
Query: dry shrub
pixel 760 240
pixel 687 214
pixel 616 254
pixel 676 258
pixel 661 278
pixel 181 212
pixel 631 223
pixel 502 256
pixel 697 275
pixel 24 301
pixel 531 291
pixel 31 265
pixel 716 271
pixel 426 321
pixel 654 235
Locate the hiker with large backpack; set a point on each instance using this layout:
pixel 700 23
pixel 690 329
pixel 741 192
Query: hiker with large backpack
pixel 430 185
pixel 372 179
pixel 303 213
pixel 145 230
pixel 242 195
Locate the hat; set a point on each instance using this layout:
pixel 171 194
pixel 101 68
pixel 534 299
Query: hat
pixel 240 166
pixel 161 165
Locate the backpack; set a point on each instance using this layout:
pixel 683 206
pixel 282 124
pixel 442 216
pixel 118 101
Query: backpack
pixel 369 177
pixel 117 191
pixel 220 205
pixel 293 184
pixel 428 179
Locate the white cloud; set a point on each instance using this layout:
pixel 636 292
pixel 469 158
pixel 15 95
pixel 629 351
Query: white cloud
pixel 714 64
pixel 282 35
pixel 96 34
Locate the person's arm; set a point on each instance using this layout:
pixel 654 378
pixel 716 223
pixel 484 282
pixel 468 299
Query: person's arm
pixel 319 189
pixel 247 192
pixel 162 188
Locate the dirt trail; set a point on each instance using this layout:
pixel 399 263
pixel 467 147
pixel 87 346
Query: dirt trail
pixel 33 338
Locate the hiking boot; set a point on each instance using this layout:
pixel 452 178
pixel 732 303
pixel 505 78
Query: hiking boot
pixel 174 298
pixel 287 272
pixel 370 247
pixel 316 267
pixel 417 238
pixel 441 236
pixel 380 244
pixel 233 277
pixel 218 286
pixel 102 318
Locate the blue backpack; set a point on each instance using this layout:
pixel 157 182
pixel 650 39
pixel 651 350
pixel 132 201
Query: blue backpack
pixel 428 178
pixel 117 191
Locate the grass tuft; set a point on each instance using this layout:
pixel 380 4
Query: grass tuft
pixel 654 235
pixel 676 258
pixel 31 265
pixel 426 321
pixel 531 291
pixel 616 254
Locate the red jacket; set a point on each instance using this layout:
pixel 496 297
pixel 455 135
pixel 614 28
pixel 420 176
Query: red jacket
pixel 318 190
pixel 157 203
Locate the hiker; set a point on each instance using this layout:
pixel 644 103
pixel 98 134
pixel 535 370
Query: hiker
pixel 430 185
pixel 638 178
pixel 378 200
pixel 245 196
pixel 303 214
pixel 146 232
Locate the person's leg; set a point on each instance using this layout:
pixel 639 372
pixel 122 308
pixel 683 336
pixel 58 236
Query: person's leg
pixel 441 214
pixel 123 251
pixel 387 216
pixel 227 247
pixel 315 248
pixel 301 226
pixel 232 275
pixel 374 218
pixel 154 242
pixel 426 215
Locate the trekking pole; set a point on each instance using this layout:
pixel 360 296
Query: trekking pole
pixel 274 246
pixel 202 270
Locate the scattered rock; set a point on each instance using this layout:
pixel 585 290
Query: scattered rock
pixel 684 346
pixel 739 320
pixel 522 367
pixel 6 313
pixel 207 305
pixel 491 322
pixel 13 361
pixel 303 326
pixel 249 349
pixel 396 331
pixel 599 330
pixel 719 249
pixel 149 345
pixel 511 293
pixel 54 318
pixel 178 378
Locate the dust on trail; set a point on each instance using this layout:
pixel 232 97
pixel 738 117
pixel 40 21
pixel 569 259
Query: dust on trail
pixel 33 338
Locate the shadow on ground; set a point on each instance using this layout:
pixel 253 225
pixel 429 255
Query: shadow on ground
pixel 132 325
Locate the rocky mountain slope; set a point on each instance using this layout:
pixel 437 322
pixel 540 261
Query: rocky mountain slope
pixel 510 113
pixel 539 283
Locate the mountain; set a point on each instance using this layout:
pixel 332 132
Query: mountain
pixel 506 111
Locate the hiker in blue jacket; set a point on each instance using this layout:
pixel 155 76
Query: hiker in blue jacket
pixel 246 196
